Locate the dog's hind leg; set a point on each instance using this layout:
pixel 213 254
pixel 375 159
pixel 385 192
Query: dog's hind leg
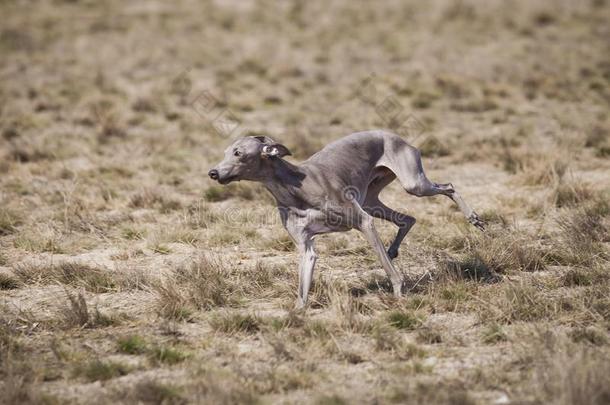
pixel 404 222
pixel 373 206
pixel 410 172
pixel 367 227
pixel 448 190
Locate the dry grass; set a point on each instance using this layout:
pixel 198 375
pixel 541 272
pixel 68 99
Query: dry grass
pixel 565 373
pixel 77 313
pixel 493 333
pixel 153 392
pixel 133 344
pixel 9 220
pixel 232 323
pixel 504 251
pixel 582 235
pixel 126 275
pixel 404 320
pixel 8 282
pixel 203 285
pixel 220 386
pixel 447 393
pixel 501 249
pixel 167 355
pixel 92 279
pixel 240 191
pixel 209 282
pixel 524 302
pixel 99 370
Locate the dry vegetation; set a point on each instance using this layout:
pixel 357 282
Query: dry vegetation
pixel 126 276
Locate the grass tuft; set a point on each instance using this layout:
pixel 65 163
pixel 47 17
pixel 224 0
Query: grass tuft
pixel 153 392
pixel 9 221
pixel 203 285
pixel 78 275
pixel 99 370
pixel 493 333
pixel 429 335
pixel 502 251
pixel 232 323
pixel 7 282
pixel 167 355
pixel 220 193
pixel 564 373
pixel 133 344
pixel 569 194
pixel 405 320
pixel 209 283
pixel 582 234
pixel 76 314
pixel 591 335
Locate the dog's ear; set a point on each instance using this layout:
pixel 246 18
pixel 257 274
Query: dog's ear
pixel 275 150
pixel 271 148
pixel 264 139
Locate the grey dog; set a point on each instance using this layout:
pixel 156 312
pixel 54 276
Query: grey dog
pixel 337 189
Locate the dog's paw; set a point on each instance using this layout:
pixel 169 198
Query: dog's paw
pixel 475 220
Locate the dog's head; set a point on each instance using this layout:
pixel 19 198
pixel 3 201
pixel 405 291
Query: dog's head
pixel 245 159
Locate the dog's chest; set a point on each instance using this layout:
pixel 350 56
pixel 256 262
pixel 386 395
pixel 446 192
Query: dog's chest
pixel 328 219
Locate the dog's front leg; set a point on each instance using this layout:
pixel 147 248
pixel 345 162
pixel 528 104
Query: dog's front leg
pixel 297 227
pixel 306 267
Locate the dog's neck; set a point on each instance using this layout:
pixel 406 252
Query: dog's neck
pixel 284 180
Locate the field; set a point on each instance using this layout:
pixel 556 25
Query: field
pixel 128 276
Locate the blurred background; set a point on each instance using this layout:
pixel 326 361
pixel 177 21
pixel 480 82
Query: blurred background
pixel 105 99
pixel 83 81
pixel 112 112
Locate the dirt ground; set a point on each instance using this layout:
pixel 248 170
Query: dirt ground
pixel 128 276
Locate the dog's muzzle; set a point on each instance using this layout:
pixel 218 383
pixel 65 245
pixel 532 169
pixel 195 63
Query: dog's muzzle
pixel 213 174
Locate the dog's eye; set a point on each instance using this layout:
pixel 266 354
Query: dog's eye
pixel 236 153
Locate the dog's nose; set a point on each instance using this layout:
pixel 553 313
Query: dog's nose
pixel 213 174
